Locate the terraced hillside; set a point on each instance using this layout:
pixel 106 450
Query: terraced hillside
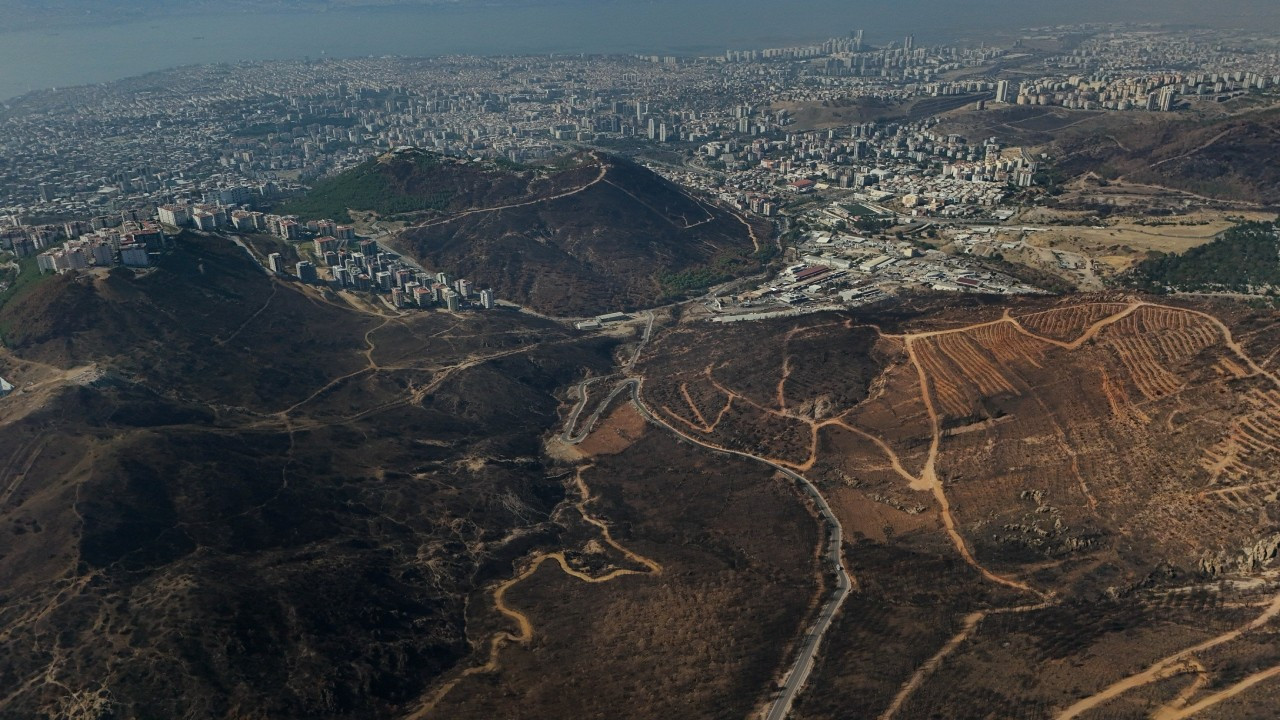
pixel 1043 503
pixel 218 487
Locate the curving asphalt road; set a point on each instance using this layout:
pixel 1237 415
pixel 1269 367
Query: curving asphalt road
pixel 795 678
pixel 568 435
pixel 798 675
pixel 644 340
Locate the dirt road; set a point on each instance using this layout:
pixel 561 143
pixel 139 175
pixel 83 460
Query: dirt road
pixel 604 170
pixel 524 626
pixel 1174 664
pixel 795 678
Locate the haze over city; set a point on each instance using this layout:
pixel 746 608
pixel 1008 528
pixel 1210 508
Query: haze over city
pixel 78 42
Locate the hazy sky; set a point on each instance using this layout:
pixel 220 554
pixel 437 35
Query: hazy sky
pixel 156 34
pixel 980 11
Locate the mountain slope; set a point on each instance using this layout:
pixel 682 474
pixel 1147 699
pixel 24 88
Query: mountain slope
pixel 588 235
pixel 414 181
pixel 1230 158
pixel 612 235
pixel 219 490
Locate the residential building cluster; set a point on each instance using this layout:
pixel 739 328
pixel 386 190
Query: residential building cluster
pixel 78 245
pixel 239 135
pixel 361 265
pixel 1160 92
pixel 213 147
pixel 240 219
pixel 347 262
pixel 1154 70
pixel 926 172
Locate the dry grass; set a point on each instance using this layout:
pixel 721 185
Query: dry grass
pixel 617 432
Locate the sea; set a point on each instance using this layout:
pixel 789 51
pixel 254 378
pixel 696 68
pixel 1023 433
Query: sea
pixel 70 54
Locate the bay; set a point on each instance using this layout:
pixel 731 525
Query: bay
pixel 74 55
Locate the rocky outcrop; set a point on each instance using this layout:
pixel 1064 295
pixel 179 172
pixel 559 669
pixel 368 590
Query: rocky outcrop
pixel 1249 559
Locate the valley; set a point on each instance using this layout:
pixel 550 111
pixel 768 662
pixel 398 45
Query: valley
pixel 838 512
pixel 1000 578
pixel 587 438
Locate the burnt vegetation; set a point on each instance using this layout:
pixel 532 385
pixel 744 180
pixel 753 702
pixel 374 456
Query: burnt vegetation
pixel 217 487
pixel 1229 158
pixel 207 521
pixel 586 235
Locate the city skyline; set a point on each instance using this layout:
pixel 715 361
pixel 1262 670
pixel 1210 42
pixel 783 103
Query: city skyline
pixel 100 45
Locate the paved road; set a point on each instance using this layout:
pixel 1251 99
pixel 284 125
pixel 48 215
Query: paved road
pixel 808 655
pixel 806 658
pixel 568 435
pixel 237 240
pixel 798 675
pixel 644 340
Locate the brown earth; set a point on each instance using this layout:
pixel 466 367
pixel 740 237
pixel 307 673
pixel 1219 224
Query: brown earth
pixel 1227 158
pixel 216 488
pixel 1218 154
pixel 615 433
pixel 239 486
pixel 704 637
pixel 1042 466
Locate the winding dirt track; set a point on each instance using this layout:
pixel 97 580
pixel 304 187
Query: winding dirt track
pixel 1199 148
pixel 1169 666
pixel 524 627
pixel 1217 697
pixel 755 241
pixel 1180 702
pixel 967 628
pixel 797 675
pixel 604 170
pixel 1181 662
pixel 927 479
pixel 1177 664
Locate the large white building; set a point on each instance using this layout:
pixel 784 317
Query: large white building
pixel 62 260
pixel 175 215
pixel 204 220
pixel 1005 91
pixel 134 256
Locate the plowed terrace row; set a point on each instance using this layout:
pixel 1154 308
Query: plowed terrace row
pixel 1044 445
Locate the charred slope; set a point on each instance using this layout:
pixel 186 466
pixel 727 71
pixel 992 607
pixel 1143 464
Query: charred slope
pixel 414 181
pixel 206 320
pixel 230 529
pixel 621 238
pixel 1233 158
